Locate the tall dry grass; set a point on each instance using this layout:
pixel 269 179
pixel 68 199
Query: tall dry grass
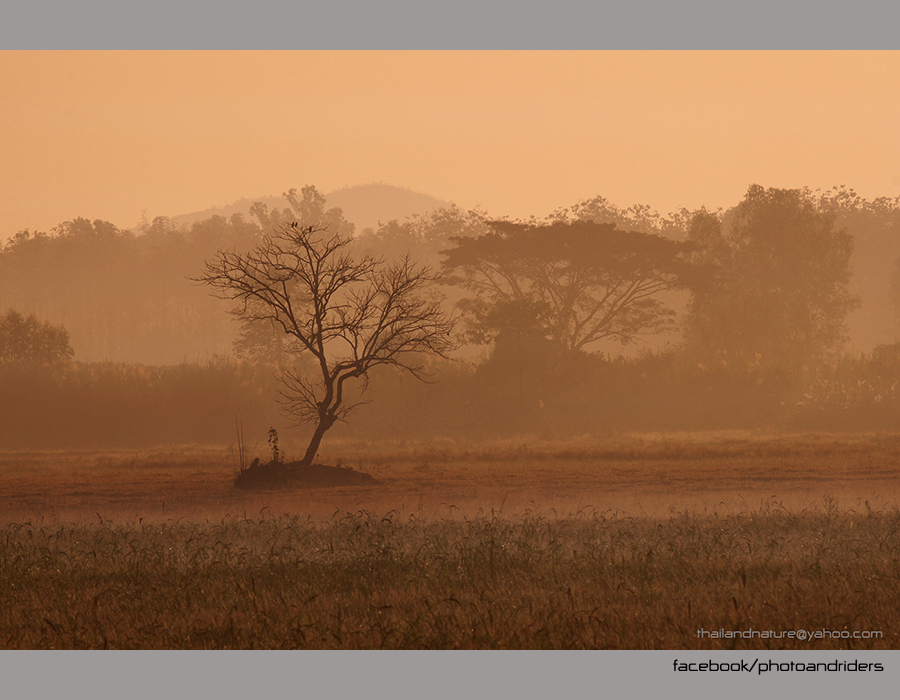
pixel 589 579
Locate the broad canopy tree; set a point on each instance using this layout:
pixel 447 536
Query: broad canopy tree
pixel 347 314
pixel 570 282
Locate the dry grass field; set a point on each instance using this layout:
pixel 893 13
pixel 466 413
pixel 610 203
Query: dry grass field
pixel 634 542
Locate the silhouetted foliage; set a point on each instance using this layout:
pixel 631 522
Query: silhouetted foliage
pixel 79 405
pixel 638 217
pixel 263 341
pixel 27 340
pixel 875 227
pixel 772 298
pixel 422 237
pixel 350 315
pixel 120 295
pixel 572 283
pixel 309 207
pixel 780 296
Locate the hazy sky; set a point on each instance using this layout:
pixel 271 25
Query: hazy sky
pixel 110 135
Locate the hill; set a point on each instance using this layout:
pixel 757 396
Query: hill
pixel 363 205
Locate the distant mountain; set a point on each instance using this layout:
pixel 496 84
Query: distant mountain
pixel 367 205
pixel 363 205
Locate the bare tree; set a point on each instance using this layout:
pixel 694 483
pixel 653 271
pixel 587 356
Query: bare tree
pixel 348 314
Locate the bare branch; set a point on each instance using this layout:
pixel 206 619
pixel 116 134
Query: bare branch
pixel 350 315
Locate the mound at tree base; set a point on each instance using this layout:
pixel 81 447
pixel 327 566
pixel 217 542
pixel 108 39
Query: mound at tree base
pixel 280 475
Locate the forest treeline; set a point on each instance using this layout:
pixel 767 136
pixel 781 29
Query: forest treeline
pixel 742 317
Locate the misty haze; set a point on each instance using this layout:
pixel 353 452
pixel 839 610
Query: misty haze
pixel 369 417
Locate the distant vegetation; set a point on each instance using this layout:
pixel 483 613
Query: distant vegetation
pixel 28 341
pixel 366 206
pixel 745 322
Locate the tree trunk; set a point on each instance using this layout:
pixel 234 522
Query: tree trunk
pixel 321 428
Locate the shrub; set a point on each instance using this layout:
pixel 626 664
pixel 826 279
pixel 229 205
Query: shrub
pixel 27 340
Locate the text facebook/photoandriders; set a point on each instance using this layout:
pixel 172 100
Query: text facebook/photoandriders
pixel 769 666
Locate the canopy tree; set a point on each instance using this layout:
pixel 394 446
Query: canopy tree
pixel 571 282
pixel 347 314
pixel 780 297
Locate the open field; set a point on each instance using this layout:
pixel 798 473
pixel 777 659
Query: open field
pixel 634 542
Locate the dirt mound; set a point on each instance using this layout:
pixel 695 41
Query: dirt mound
pixel 280 475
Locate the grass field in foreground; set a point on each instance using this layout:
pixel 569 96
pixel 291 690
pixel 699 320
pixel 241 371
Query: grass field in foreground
pixel 634 544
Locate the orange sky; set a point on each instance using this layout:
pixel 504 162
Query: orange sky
pixel 113 134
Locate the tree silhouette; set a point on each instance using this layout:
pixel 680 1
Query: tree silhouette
pixel 27 340
pixel 572 282
pixel 349 315
pixel 780 296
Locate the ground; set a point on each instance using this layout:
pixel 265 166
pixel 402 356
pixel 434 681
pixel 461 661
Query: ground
pixel 635 475
pixel 634 542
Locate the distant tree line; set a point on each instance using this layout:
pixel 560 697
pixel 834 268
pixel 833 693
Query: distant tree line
pixel 741 317
pixel 126 296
